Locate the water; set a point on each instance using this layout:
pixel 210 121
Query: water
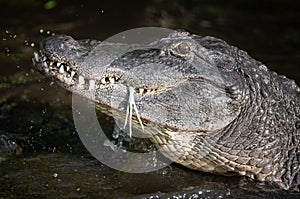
pixel 37 112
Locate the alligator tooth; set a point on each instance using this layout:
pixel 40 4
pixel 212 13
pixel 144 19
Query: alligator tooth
pixel 44 58
pixel 68 68
pixel 61 70
pixel 45 65
pixel 112 80
pixel 58 64
pixel 36 57
pixel 81 79
pixel 141 90
pixel 51 63
pixel 103 81
pixel 92 85
pixel 72 73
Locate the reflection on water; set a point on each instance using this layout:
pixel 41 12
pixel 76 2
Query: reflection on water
pixel 37 113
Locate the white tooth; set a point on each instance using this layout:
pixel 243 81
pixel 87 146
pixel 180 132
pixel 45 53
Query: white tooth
pixel 36 57
pixel 141 90
pixel 81 79
pixel 103 80
pixel 51 63
pixel 112 80
pixel 45 65
pixel 44 58
pixel 68 68
pixel 61 70
pixel 72 73
pixel 58 64
pixel 92 85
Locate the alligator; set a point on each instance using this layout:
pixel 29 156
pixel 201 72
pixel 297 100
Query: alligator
pixel 207 105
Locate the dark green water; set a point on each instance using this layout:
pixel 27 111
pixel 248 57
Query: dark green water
pixel 37 113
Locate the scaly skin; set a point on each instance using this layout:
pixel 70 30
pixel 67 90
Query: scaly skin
pixel 209 106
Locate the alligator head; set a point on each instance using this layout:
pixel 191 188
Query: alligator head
pixel 178 83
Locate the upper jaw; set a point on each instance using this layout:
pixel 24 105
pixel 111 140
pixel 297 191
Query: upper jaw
pixel 69 76
pixel 62 58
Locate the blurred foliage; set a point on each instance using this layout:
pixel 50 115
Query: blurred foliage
pixel 50 5
pixel 18 78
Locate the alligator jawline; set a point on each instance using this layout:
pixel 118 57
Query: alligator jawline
pixel 66 74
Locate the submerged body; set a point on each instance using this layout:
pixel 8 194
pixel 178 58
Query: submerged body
pixel 208 106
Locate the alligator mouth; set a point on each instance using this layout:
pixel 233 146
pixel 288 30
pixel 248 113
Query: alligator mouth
pixel 67 74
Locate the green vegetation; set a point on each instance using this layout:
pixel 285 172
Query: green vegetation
pixel 50 5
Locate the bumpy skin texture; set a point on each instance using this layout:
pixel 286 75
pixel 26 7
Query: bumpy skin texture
pixel 216 109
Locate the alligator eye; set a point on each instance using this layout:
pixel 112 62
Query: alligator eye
pixel 183 48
